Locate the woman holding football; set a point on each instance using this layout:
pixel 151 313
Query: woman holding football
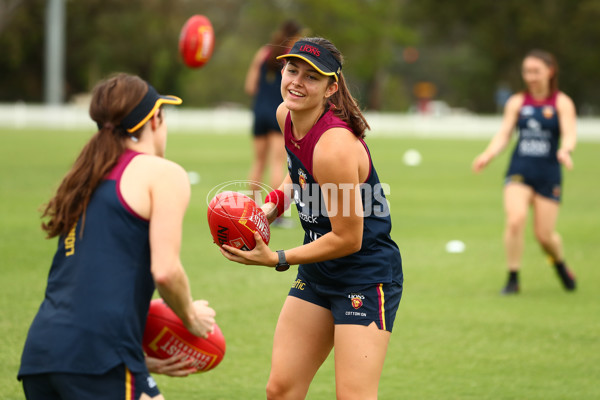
pixel 118 216
pixel 545 119
pixel 349 281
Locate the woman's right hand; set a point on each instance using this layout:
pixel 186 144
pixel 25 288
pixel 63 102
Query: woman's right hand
pixel 203 322
pixel 480 162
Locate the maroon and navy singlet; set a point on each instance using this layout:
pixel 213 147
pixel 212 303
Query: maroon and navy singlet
pixel 378 260
pixel 362 288
pixel 534 162
pixel 99 288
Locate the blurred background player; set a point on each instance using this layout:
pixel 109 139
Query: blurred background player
pixel 349 281
pixel 118 214
pixel 263 82
pixel 546 121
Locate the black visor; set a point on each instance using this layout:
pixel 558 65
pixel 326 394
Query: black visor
pixel 317 56
pixel 146 108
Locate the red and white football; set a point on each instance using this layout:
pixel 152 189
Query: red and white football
pixel 196 41
pixel 233 218
pixel 166 336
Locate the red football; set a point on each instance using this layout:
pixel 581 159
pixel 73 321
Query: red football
pixel 196 41
pixel 166 336
pixel 233 218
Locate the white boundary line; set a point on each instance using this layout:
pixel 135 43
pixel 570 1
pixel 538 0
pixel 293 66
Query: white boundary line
pixel 232 120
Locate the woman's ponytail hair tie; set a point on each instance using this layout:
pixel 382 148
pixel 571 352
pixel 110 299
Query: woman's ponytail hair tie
pixel 107 125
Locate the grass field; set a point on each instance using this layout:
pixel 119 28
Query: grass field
pixel 455 337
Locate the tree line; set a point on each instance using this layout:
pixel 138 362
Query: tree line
pixel 465 50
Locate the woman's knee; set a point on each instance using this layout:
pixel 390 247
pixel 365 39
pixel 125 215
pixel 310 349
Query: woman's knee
pixel 515 223
pixel 277 389
pixel 274 391
pixel 544 237
pixel 286 387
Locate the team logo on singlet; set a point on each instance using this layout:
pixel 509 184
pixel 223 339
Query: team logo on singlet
pixel 527 111
pixel 356 299
pixel 302 178
pixel 548 112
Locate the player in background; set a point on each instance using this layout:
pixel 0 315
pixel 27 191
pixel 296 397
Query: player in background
pixel 118 216
pixel 263 83
pixel 546 122
pixel 349 281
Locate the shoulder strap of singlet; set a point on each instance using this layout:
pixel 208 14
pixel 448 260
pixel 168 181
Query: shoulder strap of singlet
pixel 124 159
pixel 117 172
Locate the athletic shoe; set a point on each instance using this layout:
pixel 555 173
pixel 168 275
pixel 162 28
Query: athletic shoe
pixel 566 276
pixel 510 288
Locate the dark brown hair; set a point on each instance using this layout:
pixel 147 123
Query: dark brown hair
pixel 112 100
pixel 550 61
pixel 281 42
pixel 341 102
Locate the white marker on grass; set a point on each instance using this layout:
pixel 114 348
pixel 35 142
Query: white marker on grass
pixel 411 157
pixel 194 177
pixel 455 246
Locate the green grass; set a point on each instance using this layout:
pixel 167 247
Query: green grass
pixel 454 336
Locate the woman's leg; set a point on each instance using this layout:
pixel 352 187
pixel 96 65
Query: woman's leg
pixel 545 214
pixel 545 217
pixel 303 340
pixel 359 356
pixel 517 198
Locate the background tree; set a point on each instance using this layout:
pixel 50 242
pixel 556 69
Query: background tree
pixel 466 49
pixel 475 46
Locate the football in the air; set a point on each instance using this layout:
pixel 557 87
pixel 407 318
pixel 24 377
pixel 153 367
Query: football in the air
pixel 196 41
pixel 233 218
pixel 166 336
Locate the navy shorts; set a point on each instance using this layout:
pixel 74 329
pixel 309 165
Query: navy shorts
pixel 550 189
pixel 353 305
pixel 265 121
pixel 117 384
pixel 545 178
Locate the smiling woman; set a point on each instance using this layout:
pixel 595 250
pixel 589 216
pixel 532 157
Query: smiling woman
pixel 349 280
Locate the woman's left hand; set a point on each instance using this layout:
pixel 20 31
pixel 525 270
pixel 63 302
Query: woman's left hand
pixel 564 157
pixel 260 255
pixel 178 365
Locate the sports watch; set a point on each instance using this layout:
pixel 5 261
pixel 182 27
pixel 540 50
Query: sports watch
pixel 282 265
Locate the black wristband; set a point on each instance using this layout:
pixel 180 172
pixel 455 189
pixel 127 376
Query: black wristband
pixel 282 265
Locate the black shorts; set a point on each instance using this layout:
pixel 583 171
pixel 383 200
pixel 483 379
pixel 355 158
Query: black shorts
pixel 117 384
pixel 265 121
pixel 353 305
